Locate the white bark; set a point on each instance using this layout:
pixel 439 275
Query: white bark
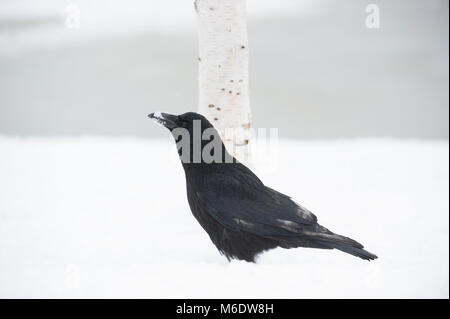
pixel 223 72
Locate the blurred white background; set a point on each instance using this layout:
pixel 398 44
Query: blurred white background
pixel 91 205
pixel 316 70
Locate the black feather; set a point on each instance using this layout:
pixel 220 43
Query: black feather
pixel 243 217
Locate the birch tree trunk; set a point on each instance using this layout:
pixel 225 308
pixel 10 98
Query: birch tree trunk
pixel 223 72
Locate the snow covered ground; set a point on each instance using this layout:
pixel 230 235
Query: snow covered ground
pixel 108 217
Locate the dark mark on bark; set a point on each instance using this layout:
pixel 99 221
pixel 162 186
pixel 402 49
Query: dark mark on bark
pixel 243 143
pixel 218 108
pixel 211 105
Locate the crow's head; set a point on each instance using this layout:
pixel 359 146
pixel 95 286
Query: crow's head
pixel 197 140
pixel 184 121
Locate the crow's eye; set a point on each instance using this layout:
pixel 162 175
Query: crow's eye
pixel 183 123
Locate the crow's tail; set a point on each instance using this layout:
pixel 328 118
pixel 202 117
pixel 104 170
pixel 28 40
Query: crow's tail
pixel 320 237
pixel 328 239
pixel 352 250
pixel 342 243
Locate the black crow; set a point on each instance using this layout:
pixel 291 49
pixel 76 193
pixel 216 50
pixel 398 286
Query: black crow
pixel 241 215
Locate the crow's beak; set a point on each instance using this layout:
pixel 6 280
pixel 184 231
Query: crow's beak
pixel 167 120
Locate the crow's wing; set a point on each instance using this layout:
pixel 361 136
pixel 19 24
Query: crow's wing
pixel 238 200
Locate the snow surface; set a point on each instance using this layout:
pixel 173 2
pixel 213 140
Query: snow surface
pixel 108 217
